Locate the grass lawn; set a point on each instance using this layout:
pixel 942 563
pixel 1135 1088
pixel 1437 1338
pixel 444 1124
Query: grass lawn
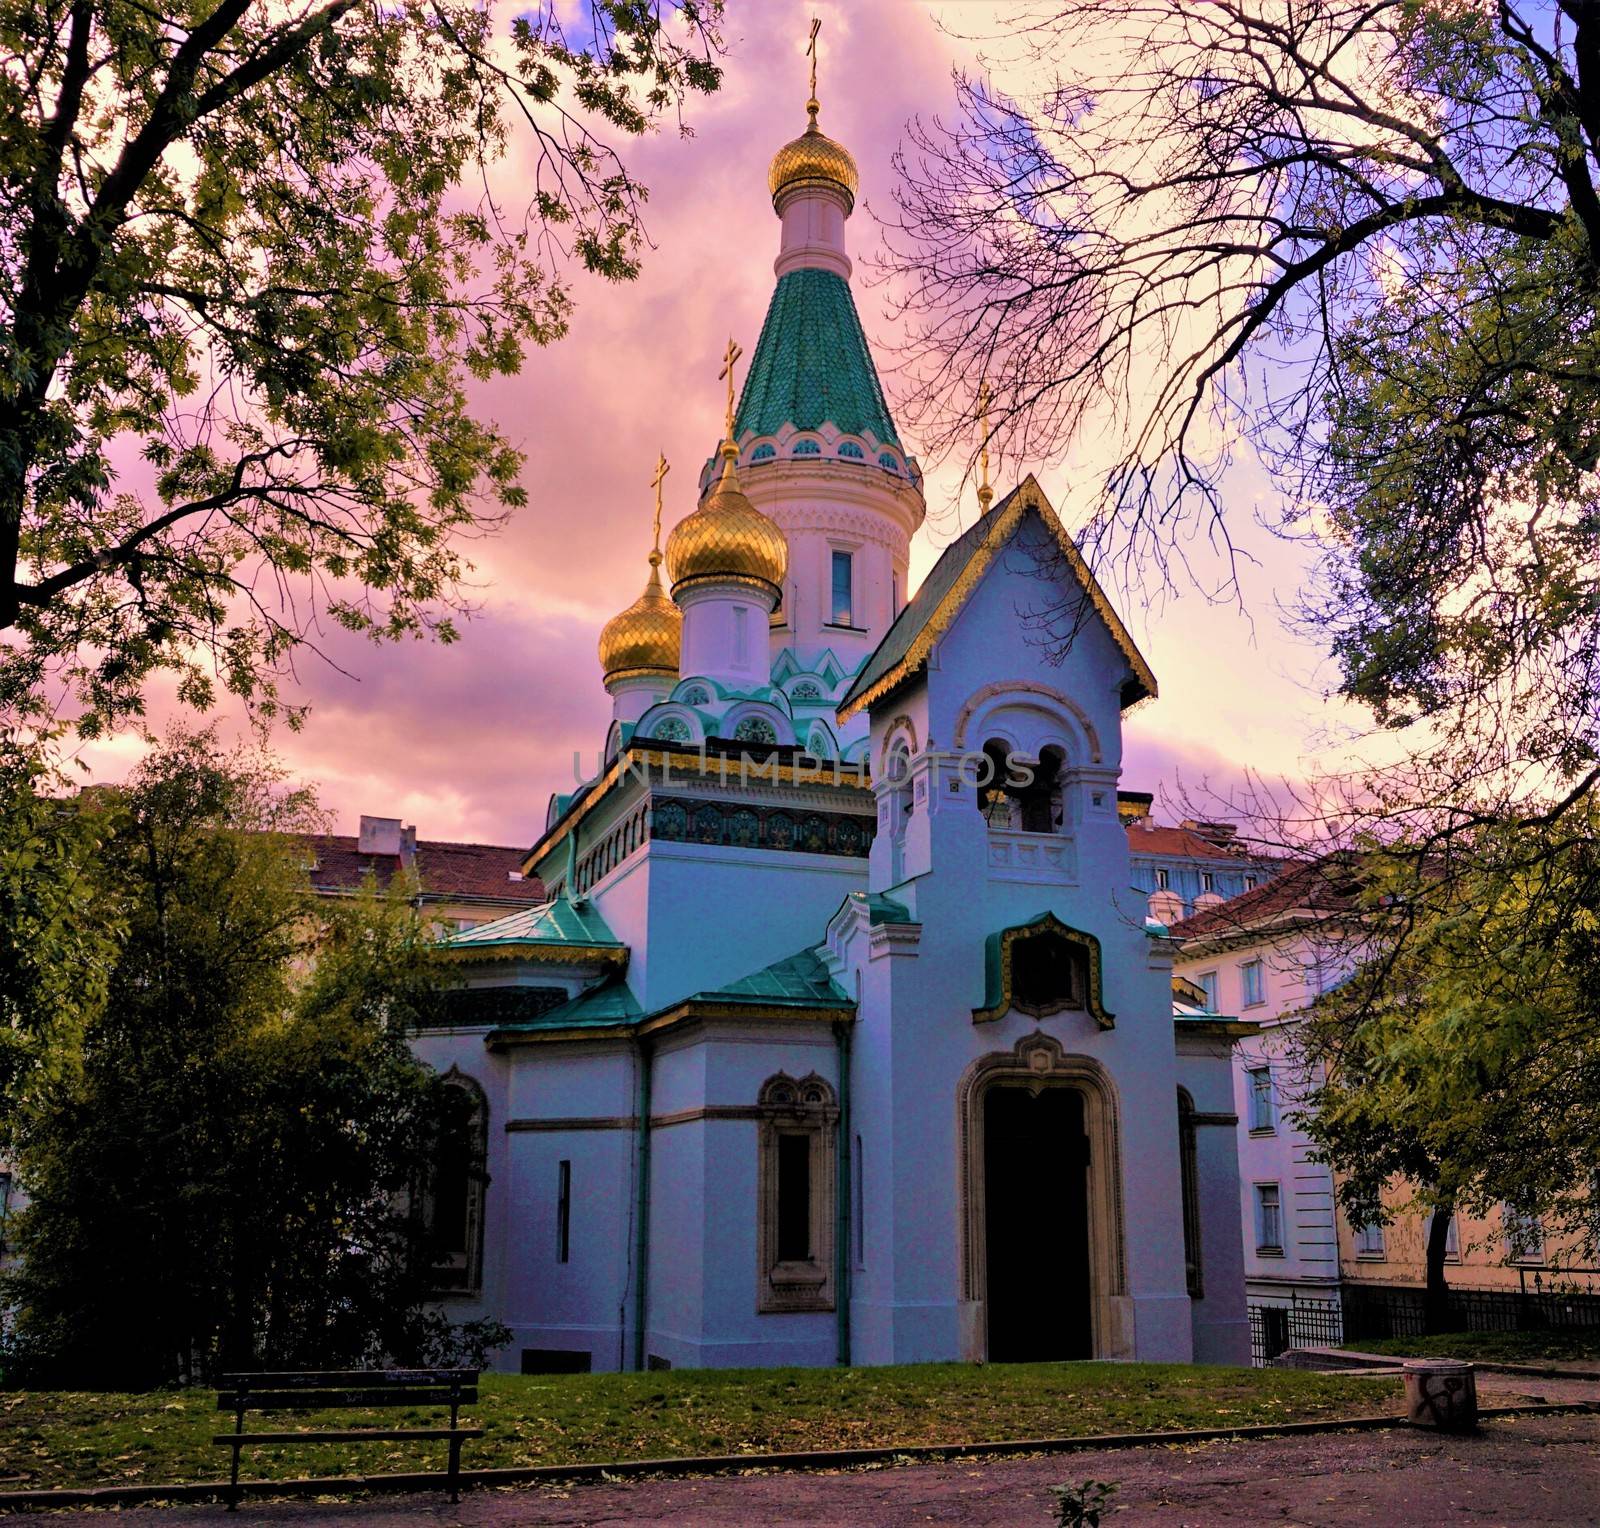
pixel 1490 1347
pixel 58 1438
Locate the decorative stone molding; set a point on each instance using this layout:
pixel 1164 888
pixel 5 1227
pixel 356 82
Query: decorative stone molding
pixel 805 1109
pixel 1024 688
pixel 1039 1061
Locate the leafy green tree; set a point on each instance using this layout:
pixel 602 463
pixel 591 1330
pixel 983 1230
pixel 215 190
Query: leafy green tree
pixel 250 263
pixel 56 935
pixel 224 1175
pixel 1462 1059
pixel 1359 236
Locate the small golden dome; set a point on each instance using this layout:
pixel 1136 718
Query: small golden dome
pixel 646 637
pixel 727 538
pixel 813 157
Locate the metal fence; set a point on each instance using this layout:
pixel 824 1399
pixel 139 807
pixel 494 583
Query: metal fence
pixel 1546 1301
pixel 1293 1321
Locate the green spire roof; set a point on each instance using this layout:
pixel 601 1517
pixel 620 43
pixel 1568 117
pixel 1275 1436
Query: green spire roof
pixel 812 366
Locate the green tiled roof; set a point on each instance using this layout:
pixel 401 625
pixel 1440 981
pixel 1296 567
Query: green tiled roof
pixel 800 979
pixel 557 922
pixel 812 366
pixel 929 596
pixel 599 1007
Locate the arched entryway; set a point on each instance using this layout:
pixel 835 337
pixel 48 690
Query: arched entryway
pixel 1041 1207
pixel 1036 1224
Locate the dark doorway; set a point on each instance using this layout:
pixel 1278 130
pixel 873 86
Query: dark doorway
pixel 1036 1224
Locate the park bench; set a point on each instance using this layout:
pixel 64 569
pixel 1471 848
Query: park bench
pixel 332 1389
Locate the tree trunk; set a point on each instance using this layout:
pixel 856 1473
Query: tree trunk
pixel 1436 1304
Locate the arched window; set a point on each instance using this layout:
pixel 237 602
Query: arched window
pixel 1026 796
pixel 755 729
pixel 808 448
pixel 671 729
pixel 764 452
pixel 1189 1173
pixel 696 695
pixel 850 449
pixel 886 460
pixel 795 1193
pixel 457 1182
pixel 807 689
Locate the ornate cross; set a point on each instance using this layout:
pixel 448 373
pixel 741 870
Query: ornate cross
pixel 811 48
pixel 733 353
pixel 662 469
pixel 985 492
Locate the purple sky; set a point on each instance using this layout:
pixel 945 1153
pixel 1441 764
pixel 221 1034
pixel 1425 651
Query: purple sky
pixel 467 741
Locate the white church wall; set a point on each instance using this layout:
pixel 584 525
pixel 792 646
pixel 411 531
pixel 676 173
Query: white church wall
pixel 703 1226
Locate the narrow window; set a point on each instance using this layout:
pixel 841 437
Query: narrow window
pixel 1263 1107
pixel 794 1198
pixel 1369 1240
pixel 858 1206
pixel 841 589
pixel 1249 883
pixel 563 1212
pixel 1207 982
pixel 741 639
pixel 1254 983
pixel 1208 882
pixel 894 595
pixel 1162 878
pixel 1269 1218
pixel 1452 1237
pixel 1524 1235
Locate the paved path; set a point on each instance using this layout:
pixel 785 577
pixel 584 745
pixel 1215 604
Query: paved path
pixel 1534 1469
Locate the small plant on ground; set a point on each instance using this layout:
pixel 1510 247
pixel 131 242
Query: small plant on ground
pixel 1080 1506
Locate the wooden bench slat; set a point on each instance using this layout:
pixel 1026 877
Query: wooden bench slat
pixel 353 1435
pixel 333 1379
pixel 306 1400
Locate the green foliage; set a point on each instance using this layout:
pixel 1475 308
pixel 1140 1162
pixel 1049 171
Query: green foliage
pixel 251 265
pixel 1464 1057
pixel 56 936
pixel 222 1175
pixel 1080 1506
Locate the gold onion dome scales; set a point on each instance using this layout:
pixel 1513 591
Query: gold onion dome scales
pixel 647 637
pixel 812 159
pixel 727 539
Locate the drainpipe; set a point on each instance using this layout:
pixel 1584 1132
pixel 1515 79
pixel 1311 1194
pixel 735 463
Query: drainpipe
pixel 641 1209
pixel 841 1235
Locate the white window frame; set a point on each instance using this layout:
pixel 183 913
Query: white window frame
pixel 1258 966
pixel 1371 1245
pixel 1263 1100
pixel 1206 981
pixel 836 549
pixel 1269 1219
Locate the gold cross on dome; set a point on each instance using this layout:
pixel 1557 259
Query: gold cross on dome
pixel 662 469
pixel 731 355
pixel 985 492
pixel 811 48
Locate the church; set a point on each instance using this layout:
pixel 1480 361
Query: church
pixel 842 1034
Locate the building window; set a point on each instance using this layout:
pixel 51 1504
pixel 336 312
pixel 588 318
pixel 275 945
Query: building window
pixel 1206 981
pixel 741 640
pixel 858 1198
pixel 1208 882
pixel 696 695
pixel 452 1198
pixel 1263 1106
pixel 1524 1236
pixel 1269 1218
pixel 1253 980
pixel 1452 1237
pixel 671 729
pixel 851 450
pixel 564 1212
pixel 894 595
pixel 1188 1166
pixel 795 1193
pixel 1369 1240
pixel 1249 883
pixel 755 729
pixel 840 606
pixel 1162 878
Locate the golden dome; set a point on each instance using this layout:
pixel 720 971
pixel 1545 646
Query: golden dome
pixel 811 158
pixel 727 538
pixel 646 637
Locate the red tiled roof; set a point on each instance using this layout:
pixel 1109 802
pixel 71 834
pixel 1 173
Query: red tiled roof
pixel 472 872
pixel 1184 842
pixel 1314 886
